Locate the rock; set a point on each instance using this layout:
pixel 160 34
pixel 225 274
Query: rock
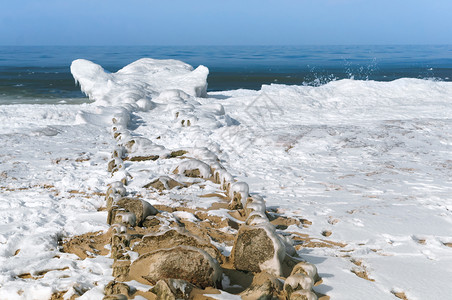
pixel 121 269
pixel 258 248
pixel 182 262
pixel 163 291
pixel 194 168
pixel 178 153
pixel 116 164
pixel 175 237
pixel 114 287
pixel 139 207
pixel 111 165
pixel 112 212
pixel 172 289
pixel 306 268
pixel 264 286
pixel 126 218
pixel 303 295
pixel 216 221
pixel 163 183
pixel 255 204
pixel 115 297
pixel 114 192
pixel 119 242
pixel 87 245
pixel 238 194
pixel 256 218
pixel 151 222
pixel 297 282
pixel 143 158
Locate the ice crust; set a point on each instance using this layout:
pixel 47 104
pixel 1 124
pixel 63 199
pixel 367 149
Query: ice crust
pixel 139 81
pixel 368 161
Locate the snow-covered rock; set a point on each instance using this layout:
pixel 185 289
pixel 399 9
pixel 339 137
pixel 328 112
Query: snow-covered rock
pixel 182 262
pixel 258 248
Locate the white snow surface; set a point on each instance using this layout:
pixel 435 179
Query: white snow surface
pixel 368 161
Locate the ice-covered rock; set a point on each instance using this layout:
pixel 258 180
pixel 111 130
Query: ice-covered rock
pixel 182 262
pixel 303 295
pixel 238 193
pixel 256 218
pixel 255 204
pixel 139 81
pixel 223 177
pixel 116 164
pixel 163 183
pixel 172 289
pixel 298 281
pixel 125 217
pixel 307 269
pixel 140 208
pixel 264 286
pixel 114 192
pixel 175 237
pixel 258 248
pixel 115 287
pixel 194 168
pixel 143 147
pixel 116 297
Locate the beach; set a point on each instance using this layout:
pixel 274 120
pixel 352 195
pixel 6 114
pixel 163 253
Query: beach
pixel 359 170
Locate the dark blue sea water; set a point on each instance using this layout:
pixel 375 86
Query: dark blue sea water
pixel 40 74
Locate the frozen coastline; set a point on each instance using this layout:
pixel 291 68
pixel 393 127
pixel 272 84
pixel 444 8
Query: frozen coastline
pixel 367 163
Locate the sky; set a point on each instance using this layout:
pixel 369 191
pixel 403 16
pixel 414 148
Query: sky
pixel 225 22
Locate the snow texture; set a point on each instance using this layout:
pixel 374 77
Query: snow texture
pixel 367 161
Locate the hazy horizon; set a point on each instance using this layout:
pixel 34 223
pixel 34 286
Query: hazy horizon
pixel 220 23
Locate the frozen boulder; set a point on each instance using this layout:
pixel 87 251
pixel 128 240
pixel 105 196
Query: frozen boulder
pixel 256 218
pixel 306 268
pixel 303 295
pixel 182 262
pixel 172 289
pixel 125 218
pixel 175 237
pixel 140 208
pixel 116 297
pixel 238 194
pixel 194 168
pixel 121 269
pixel 223 177
pixel 163 183
pixel 114 192
pixel 297 282
pixel 140 148
pixel 264 286
pixel 257 249
pixel 255 204
pixel 115 288
pixel 116 164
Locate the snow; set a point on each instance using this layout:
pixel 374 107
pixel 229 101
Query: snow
pixel 368 161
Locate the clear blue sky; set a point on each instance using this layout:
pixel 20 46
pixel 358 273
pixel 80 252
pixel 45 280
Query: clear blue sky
pixel 224 22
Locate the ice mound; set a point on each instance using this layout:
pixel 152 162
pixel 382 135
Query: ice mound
pixel 139 81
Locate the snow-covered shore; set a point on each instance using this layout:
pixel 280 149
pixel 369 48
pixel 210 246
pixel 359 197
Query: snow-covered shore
pixel 366 164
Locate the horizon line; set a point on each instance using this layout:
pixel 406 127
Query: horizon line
pixel 223 45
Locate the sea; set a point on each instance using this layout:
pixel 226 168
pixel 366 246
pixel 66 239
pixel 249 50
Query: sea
pixel 41 74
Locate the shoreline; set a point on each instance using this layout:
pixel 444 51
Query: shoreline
pixel 355 174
